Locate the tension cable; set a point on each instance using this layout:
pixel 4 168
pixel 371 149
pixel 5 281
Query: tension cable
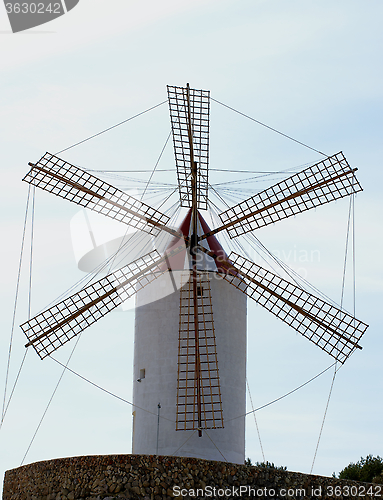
pixel 267 126
pixel 110 128
pixel 351 218
pixel 5 406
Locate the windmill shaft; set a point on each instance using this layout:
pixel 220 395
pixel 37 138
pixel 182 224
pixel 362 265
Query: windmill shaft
pixel 272 205
pixel 193 168
pixel 165 345
pixel 197 350
pixel 194 243
pixel 190 130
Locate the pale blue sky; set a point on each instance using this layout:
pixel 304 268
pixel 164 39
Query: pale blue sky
pixel 310 69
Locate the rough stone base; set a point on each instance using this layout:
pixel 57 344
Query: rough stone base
pixel 112 477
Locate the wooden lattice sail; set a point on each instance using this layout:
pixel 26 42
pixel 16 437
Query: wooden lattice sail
pixel 67 181
pixel 326 181
pixel 57 325
pixel 189 115
pixel 199 403
pixel 330 328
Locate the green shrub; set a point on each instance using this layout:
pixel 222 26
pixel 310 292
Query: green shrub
pixel 368 470
pixel 264 465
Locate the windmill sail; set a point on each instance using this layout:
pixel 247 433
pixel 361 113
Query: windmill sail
pixel 332 329
pixel 189 114
pixel 57 325
pixel 199 403
pixel 59 177
pixel 326 181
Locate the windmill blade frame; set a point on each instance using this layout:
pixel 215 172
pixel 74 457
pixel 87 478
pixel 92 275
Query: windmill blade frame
pixel 58 324
pixel 67 181
pixel 333 330
pixel 199 401
pixel 321 183
pixel 189 115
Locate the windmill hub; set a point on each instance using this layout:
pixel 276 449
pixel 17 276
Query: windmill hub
pixel 193 244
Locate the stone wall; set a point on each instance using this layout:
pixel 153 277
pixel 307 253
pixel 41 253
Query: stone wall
pixel 118 477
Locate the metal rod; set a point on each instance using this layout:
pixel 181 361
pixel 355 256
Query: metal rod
pixel 158 425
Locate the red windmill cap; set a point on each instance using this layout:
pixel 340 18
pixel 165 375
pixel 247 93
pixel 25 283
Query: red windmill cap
pixel 205 262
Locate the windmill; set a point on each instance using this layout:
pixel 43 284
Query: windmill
pixel 190 342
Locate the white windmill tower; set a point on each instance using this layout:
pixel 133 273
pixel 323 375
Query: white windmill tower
pixel 190 338
pixel 207 396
